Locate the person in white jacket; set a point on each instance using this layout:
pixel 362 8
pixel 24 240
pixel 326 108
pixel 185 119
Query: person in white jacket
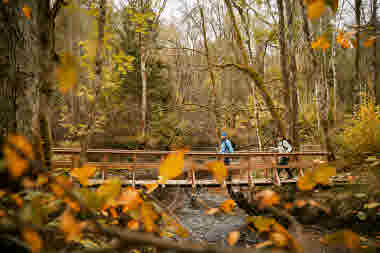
pixel 283 146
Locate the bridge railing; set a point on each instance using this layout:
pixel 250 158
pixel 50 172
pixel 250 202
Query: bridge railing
pixel 132 164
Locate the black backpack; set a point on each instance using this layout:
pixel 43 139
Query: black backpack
pixel 291 149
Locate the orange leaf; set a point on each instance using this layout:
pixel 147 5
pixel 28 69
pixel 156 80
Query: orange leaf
pixel 149 217
pixel 2 193
pixel 41 180
pixel 279 239
pixel 71 227
pixel 17 165
pixel 16 198
pixel 233 237
pixel 267 198
pixel 33 239
pixel 2 213
pixel 130 199
pixel 83 173
pixel 369 42
pixel 320 43
pixel 113 212
pixel 64 181
pixel 72 204
pixel 58 190
pixel 316 9
pixel 133 225
pixel 288 205
pixel 306 183
pixel 172 166
pixel 27 11
pixel 228 205
pixel 5 1
pixel 212 211
pixel 218 169
pixel 151 187
pixel 300 203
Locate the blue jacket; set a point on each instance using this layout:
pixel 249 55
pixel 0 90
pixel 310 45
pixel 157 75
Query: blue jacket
pixel 226 147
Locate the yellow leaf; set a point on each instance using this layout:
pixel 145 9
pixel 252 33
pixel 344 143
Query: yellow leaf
pixel 316 9
pixel 2 193
pixel 218 169
pixel 148 217
pixel 268 198
pixel 172 166
pixel 263 224
pixel 212 211
pixel 109 189
pixel 306 183
pixel 33 239
pixel 71 227
pixel 233 237
pixel 369 42
pixel 27 11
pixel 66 73
pixel 322 174
pixel 83 173
pixel 228 205
pixel 344 237
pixel 16 164
pixel 133 225
pixel 279 239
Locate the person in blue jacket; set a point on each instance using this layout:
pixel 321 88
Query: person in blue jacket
pixel 226 147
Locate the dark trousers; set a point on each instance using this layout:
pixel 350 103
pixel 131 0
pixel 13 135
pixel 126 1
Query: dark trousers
pixel 284 161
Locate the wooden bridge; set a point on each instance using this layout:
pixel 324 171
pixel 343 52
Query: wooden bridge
pixel 138 168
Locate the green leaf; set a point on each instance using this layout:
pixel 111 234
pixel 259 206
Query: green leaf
pixel 372 205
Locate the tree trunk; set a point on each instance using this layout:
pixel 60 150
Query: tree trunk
pixel 254 75
pixel 375 70
pixel 143 56
pixel 27 64
pixel 212 76
pixel 99 60
pixel 292 74
pixel 357 81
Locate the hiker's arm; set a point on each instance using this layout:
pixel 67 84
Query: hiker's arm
pixel 230 148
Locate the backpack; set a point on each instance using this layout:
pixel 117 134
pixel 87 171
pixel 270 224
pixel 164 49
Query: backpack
pixel 291 146
pixel 232 144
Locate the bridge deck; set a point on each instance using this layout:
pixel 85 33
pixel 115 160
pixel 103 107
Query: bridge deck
pixel 207 182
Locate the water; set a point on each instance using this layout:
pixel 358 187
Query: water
pixel 213 228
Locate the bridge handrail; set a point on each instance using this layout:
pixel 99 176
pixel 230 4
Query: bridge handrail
pixel 191 153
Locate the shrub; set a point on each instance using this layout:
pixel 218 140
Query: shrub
pixel 361 135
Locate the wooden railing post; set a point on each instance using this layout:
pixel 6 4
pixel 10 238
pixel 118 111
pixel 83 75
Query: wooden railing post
pixel 251 183
pixel 162 159
pixel 134 167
